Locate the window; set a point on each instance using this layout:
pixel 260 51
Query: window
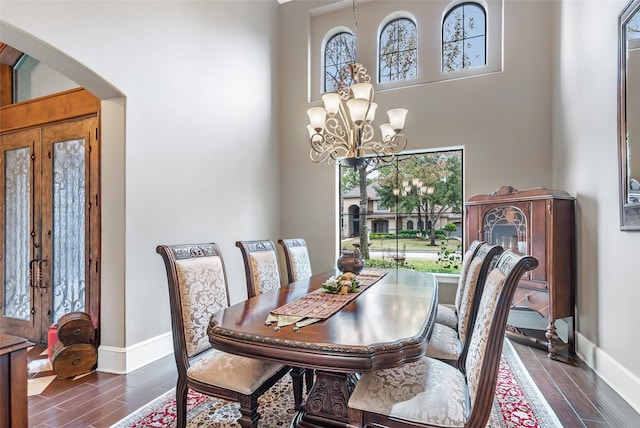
pixel 398 56
pixel 464 38
pixel 33 79
pixel 381 226
pixel 382 206
pixel 420 189
pixel 339 51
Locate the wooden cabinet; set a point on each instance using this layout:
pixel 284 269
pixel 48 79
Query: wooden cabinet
pixel 539 222
pixel 13 381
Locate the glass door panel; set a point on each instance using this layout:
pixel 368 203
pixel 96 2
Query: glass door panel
pixel 17 203
pixel 19 294
pixel 68 227
pixel 506 226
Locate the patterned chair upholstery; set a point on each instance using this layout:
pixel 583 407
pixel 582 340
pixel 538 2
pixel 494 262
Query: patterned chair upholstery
pixel 448 314
pixel 296 256
pixel 198 288
pixel 431 393
pixel 263 274
pixel 451 345
pixel 260 266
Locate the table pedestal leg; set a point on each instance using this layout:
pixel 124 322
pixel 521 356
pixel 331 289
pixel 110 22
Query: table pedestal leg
pixel 326 404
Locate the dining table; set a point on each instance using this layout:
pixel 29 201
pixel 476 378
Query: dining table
pixel 387 322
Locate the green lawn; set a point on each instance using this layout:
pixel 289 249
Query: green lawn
pixel 410 245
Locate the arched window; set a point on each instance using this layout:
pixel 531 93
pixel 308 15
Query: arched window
pixel 339 51
pixel 464 32
pixel 398 55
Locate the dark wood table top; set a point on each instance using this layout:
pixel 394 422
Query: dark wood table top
pixel 9 343
pixel 387 325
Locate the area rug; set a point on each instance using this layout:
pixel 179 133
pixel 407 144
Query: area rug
pixel 517 403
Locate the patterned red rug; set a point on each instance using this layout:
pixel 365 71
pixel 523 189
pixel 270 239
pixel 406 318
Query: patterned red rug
pixel 517 403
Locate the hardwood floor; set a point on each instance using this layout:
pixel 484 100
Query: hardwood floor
pixel 576 394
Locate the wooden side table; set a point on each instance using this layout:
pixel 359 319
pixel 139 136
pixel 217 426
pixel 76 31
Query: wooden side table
pixel 13 381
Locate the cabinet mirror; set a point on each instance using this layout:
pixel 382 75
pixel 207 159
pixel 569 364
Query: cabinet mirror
pixel 629 115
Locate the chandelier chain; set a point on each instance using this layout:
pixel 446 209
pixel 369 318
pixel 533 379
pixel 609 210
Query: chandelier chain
pixel 355 30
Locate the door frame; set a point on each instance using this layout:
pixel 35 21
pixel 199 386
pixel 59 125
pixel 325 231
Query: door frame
pixel 57 108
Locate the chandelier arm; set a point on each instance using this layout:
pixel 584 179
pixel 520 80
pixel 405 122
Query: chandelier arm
pixel 344 116
pixel 335 134
pixel 367 134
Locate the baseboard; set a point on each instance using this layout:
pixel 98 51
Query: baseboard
pixel 124 360
pixel 625 383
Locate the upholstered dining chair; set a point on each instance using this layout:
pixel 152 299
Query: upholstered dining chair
pixel 448 314
pixel 263 274
pixel 197 289
pixel 431 393
pixel 296 257
pixel 260 266
pixel 451 344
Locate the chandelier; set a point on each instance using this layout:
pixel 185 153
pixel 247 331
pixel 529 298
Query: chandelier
pixel 341 132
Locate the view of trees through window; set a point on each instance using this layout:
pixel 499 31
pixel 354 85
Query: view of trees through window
pixel 464 38
pixel 398 51
pixel 405 214
pixel 339 51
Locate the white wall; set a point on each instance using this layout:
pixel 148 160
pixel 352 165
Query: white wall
pixel 585 163
pixel 199 160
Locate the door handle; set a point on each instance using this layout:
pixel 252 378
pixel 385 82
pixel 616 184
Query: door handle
pixel 40 262
pixel 35 273
pixel 33 278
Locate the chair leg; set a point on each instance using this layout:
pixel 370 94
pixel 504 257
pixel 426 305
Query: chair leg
pixel 181 404
pixel 309 377
pixel 296 377
pixel 249 411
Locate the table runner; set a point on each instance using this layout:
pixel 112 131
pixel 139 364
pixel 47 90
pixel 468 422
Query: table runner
pixel 320 304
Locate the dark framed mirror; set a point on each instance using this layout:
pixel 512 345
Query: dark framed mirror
pixel 629 115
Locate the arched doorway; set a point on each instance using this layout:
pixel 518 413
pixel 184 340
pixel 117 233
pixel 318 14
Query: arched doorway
pixel 112 122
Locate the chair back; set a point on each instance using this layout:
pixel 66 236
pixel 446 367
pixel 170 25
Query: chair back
pixel 485 349
pixel 197 289
pixel 464 268
pixel 296 256
pixel 260 266
pixel 475 278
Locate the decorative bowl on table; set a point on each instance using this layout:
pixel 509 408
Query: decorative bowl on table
pixel 350 261
pixel 342 284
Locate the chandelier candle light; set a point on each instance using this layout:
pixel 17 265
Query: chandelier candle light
pixel 341 131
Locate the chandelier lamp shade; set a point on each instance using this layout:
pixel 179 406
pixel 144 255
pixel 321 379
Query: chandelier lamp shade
pixel 341 132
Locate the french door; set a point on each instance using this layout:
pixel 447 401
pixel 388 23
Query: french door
pixel 49 216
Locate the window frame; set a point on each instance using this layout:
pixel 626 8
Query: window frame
pixel 447 14
pixel 389 20
pixel 346 214
pixel 326 21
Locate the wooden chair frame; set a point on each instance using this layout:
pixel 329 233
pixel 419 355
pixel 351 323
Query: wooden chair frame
pixel 248 403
